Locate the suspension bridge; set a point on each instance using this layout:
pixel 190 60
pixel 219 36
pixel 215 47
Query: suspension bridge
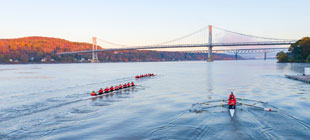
pixel 198 39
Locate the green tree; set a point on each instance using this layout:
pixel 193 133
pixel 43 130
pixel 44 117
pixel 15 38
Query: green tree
pixel 282 57
pixel 301 49
pixel 308 59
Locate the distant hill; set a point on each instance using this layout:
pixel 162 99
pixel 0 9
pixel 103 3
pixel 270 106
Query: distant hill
pixel 43 50
pixel 34 49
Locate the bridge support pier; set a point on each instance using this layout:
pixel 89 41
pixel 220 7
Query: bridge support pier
pixel 94 52
pixel 210 55
pixel 265 55
pixel 236 55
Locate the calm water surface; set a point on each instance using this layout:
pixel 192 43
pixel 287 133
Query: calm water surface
pixel 184 101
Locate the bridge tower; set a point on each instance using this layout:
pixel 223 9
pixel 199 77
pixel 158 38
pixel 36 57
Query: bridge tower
pixel 210 55
pixel 94 51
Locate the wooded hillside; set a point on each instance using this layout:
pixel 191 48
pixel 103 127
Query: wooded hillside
pixel 43 50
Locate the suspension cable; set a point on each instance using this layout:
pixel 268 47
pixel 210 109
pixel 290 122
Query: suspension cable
pixel 250 35
pixel 165 42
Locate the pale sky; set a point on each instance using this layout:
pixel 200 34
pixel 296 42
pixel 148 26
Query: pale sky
pixel 133 21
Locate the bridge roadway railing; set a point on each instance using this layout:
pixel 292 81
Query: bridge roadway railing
pixel 239 51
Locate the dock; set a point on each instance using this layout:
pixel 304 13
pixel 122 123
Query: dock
pixel 303 78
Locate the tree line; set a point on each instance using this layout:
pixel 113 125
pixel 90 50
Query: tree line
pixel 297 52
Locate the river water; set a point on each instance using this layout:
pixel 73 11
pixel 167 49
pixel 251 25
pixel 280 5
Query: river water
pixel 183 101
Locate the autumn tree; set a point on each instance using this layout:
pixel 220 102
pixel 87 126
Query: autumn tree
pixel 282 57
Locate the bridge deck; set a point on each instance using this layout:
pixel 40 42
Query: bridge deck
pixel 188 46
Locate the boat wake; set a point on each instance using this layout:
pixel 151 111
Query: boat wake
pixel 42 113
pixel 252 120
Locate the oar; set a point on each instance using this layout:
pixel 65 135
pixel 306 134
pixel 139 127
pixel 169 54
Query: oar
pixel 250 100
pixel 266 109
pixel 207 103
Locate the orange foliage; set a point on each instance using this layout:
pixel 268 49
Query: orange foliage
pixel 37 47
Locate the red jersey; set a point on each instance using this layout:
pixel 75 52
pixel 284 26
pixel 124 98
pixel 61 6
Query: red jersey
pixel 111 88
pixel 106 90
pixel 100 91
pixel 232 100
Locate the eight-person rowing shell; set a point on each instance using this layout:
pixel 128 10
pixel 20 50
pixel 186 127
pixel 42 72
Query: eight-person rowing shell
pixel 111 89
pixel 232 104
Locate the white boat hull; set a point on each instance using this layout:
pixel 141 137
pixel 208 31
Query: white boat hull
pixel 232 112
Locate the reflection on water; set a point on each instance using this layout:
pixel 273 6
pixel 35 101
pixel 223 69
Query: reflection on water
pixel 186 100
pixel 35 77
pixel 293 67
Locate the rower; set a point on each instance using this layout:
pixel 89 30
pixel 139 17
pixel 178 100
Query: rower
pixel 128 84
pixel 100 91
pixel 132 84
pixel 232 101
pixel 120 86
pixel 111 88
pixel 125 86
pixel 116 88
pixel 106 90
pixel 93 93
pixel 137 76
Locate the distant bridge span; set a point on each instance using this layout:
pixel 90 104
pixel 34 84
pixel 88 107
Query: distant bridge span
pixel 187 46
pixel 242 51
pixel 210 45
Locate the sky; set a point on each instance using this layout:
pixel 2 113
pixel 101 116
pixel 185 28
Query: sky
pixel 142 21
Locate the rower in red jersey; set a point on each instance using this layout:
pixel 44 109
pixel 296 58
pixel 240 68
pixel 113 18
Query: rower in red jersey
pixel 100 91
pixel 116 88
pixel 232 101
pixel 111 88
pixel 106 90
pixel 132 84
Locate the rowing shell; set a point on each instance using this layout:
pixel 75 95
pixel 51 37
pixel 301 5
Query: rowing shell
pixel 115 91
pixel 232 112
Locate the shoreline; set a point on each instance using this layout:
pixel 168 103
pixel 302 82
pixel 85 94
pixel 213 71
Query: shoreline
pixel 132 62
